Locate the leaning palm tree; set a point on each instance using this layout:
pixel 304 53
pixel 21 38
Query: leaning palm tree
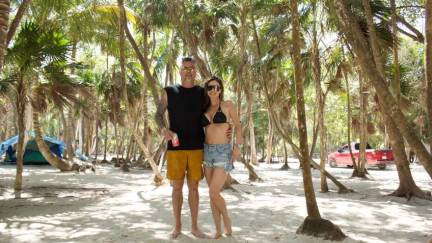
pixel 35 53
pixel 60 90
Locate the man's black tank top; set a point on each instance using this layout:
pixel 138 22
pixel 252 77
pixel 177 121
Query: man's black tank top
pixel 185 110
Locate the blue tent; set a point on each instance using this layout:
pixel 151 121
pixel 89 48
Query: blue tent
pixel 31 153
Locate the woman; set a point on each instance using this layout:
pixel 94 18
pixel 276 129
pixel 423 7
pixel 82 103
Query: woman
pixel 218 155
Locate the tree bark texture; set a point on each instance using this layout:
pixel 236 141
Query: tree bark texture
pixel 311 204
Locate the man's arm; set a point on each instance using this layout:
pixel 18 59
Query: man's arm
pixel 159 117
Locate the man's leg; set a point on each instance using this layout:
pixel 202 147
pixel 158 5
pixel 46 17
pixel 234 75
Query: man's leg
pixel 193 199
pixel 176 168
pixel 177 202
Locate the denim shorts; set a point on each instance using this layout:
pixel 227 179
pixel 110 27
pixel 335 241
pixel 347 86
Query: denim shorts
pixel 218 156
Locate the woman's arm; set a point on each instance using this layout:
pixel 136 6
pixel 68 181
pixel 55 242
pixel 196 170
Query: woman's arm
pixel 236 121
pixel 237 129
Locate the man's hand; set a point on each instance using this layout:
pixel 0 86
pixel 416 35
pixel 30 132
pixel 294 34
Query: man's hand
pixel 168 135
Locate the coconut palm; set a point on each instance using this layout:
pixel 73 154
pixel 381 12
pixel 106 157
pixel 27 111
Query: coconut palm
pixel 36 56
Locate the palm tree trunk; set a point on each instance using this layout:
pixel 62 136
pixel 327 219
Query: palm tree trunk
pixel 116 138
pixel 20 105
pixel 4 25
pixel 106 138
pixel 70 138
pixel 143 60
pixel 428 65
pixel 158 179
pixel 313 222
pixel 44 149
pixel 253 155
pixel 316 66
pixel 17 20
pixel 269 140
pixel 311 204
pixel 363 128
pixel 285 159
pixel 97 139
pixel 365 58
pixel 355 169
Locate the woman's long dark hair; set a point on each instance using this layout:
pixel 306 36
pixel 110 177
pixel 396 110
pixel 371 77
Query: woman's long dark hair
pixel 206 97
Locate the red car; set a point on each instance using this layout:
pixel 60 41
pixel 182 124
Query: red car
pixel 379 158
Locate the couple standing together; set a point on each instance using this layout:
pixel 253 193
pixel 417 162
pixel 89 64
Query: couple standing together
pixel 198 134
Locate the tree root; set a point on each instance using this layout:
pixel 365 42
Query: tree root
pixel 158 180
pixel 410 193
pixel 285 167
pixel 83 168
pixel 321 228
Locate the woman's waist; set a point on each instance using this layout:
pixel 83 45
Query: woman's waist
pixel 208 146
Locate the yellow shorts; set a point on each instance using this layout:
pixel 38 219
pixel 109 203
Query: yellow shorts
pixel 181 161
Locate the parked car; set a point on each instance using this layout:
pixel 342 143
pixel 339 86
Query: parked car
pixel 375 157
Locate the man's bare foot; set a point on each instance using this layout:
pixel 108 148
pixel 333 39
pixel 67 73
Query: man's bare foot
pixel 175 233
pixel 198 234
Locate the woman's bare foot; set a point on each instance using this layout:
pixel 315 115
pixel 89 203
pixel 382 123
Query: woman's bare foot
pixel 175 233
pixel 217 235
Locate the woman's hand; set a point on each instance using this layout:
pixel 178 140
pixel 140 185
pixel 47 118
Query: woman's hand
pixel 235 154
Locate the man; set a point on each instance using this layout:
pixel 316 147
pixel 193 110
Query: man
pixel 185 108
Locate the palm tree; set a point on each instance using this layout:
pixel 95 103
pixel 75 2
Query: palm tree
pixel 4 26
pixel 35 55
pixel 313 224
pixel 61 91
pixel 158 179
pixel 370 60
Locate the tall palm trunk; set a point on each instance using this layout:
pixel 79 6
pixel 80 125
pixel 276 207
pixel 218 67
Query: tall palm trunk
pixel 428 65
pixel 365 58
pixel 158 179
pixel 70 138
pixel 105 139
pixel 312 207
pixel 17 20
pixel 97 139
pixel 269 140
pixel 349 125
pixel 20 106
pixel 316 66
pixel 285 159
pixel 363 128
pixel 44 149
pixel 4 26
pixel 313 221
pixel 253 155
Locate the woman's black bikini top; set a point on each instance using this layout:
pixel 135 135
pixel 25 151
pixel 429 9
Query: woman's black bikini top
pixel 219 117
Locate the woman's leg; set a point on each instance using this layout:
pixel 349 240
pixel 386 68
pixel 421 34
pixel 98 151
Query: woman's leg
pixel 215 212
pixel 218 179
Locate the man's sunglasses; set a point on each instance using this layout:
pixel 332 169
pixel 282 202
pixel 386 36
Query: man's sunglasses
pixel 188 69
pixel 211 87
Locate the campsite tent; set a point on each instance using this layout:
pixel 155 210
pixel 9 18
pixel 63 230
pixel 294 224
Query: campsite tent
pixel 32 155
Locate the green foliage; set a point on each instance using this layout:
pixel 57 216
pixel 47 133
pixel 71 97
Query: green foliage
pixel 37 47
